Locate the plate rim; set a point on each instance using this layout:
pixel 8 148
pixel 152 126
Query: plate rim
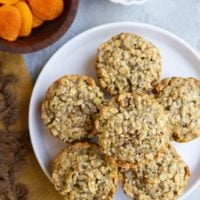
pixel 96 29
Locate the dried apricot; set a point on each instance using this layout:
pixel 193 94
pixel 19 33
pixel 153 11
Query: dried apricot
pixel 27 19
pixel 36 21
pixel 10 22
pixel 47 9
pixel 8 1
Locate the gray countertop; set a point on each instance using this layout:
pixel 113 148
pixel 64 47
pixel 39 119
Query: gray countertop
pixel 181 17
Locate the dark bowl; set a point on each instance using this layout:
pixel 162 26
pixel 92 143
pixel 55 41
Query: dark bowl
pixel 46 34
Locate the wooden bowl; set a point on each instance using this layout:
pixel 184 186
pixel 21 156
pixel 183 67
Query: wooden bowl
pixel 46 34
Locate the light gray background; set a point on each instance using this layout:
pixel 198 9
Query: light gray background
pixel 181 17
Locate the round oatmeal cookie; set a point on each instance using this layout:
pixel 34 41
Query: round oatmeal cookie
pixel 132 128
pixel 82 172
pixel 69 107
pixel 181 99
pixel 164 178
pixel 128 63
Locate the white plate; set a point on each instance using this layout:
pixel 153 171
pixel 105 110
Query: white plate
pixel 77 57
pixel 129 2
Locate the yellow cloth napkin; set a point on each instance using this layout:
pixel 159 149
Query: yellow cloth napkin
pixel 15 90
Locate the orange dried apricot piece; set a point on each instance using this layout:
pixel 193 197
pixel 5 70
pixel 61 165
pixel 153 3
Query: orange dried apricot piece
pixel 27 19
pixel 47 9
pixel 36 21
pixel 10 22
pixel 8 1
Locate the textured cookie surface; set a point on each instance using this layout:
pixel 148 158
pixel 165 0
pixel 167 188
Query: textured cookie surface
pixel 181 99
pixel 82 172
pixel 69 107
pixel 128 63
pixel 164 178
pixel 132 128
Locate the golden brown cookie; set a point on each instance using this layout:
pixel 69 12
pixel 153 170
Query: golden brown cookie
pixel 181 99
pixel 69 107
pixel 164 178
pixel 82 172
pixel 128 63
pixel 132 128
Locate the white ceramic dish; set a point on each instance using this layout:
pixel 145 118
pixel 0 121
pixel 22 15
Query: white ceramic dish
pixel 77 57
pixel 129 2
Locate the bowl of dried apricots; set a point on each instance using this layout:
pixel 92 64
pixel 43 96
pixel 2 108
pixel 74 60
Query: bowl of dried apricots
pixel 30 25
